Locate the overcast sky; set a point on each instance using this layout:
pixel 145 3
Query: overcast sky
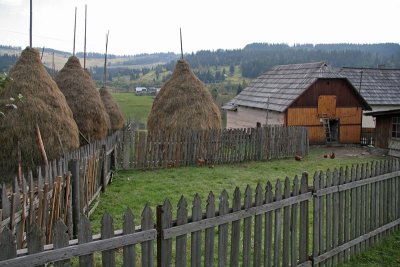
pixel 148 26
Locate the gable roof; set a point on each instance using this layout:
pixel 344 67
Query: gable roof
pixel 282 84
pixel 378 86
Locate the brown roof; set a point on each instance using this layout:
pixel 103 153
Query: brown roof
pixel 378 86
pixel 282 85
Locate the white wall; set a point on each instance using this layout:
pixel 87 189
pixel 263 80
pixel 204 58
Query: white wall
pixel 245 117
pixel 369 121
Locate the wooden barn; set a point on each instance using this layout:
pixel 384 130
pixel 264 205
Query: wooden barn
pixel 311 95
pixel 379 87
pixel 387 130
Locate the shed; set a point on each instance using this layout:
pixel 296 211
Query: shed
pixel 387 131
pixel 379 87
pixel 311 94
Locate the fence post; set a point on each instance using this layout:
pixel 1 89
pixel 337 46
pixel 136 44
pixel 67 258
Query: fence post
pixel 104 170
pixel 126 149
pixel 73 167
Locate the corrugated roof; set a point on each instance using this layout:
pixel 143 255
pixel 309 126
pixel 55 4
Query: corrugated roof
pixel 282 84
pixel 378 86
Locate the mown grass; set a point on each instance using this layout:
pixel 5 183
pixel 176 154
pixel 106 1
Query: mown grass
pixel 136 108
pixel 134 189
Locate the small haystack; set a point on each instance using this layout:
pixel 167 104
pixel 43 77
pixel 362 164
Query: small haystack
pixel 84 100
pixel 112 108
pixel 43 104
pixel 183 103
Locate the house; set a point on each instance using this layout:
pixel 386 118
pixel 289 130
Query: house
pixel 387 130
pixel 379 87
pixel 311 95
pixel 140 90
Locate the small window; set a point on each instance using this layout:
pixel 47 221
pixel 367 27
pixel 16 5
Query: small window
pixel 396 127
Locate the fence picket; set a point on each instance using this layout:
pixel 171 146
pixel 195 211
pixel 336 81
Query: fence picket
pixel 303 251
pixel 85 236
pixel 258 227
pixel 286 226
pixel 247 228
pixel 164 246
pixel 35 238
pixel 316 221
pixel 196 236
pixel 147 247
pixel 235 231
pixel 328 215
pixel 210 234
pixel 128 227
pixel 268 227
pixel 7 245
pixel 181 241
pixel 60 240
pixel 335 216
pixel 107 231
pixel 223 230
pixel 278 226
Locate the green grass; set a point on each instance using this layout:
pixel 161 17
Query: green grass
pixel 136 108
pixel 385 253
pixel 136 188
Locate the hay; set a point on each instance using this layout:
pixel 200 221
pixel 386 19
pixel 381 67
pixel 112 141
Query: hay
pixel 112 108
pixel 84 100
pixel 183 103
pixel 44 104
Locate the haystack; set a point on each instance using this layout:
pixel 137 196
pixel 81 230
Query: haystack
pixel 183 103
pixel 112 108
pixel 43 104
pixel 84 100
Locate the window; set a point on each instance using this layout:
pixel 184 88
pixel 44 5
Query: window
pixel 396 127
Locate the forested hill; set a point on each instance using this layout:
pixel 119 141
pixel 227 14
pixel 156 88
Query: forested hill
pixel 256 58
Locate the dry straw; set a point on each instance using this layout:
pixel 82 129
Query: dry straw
pixel 43 104
pixel 84 99
pixel 183 103
pixel 112 108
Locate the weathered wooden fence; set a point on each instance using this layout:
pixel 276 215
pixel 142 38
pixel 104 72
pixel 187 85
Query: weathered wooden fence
pixel 347 209
pixel 187 147
pixel 52 191
pixel 367 136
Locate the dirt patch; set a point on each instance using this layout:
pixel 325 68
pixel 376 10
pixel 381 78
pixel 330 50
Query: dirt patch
pixel 351 151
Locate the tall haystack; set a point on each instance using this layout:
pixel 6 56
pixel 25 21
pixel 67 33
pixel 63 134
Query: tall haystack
pixel 112 108
pixel 84 100
pixel 183 103
pixel 43 104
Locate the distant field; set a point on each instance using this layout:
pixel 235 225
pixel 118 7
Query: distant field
pixel 136 108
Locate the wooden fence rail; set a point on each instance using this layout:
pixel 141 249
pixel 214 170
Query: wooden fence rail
pixel 352 208
pixel 190 147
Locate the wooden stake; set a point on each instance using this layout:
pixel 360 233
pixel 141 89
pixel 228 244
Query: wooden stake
pixel 53 66
pixel 180 33
pixel 53 202
pixel 41 57
pixel 105 62
pixel 73 50
pixel 30 25
pixel 67 198
pixel 19 164
pixel 84 46
pixel 43 151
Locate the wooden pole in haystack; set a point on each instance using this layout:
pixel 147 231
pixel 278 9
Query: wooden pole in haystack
pixel 84 46
pixel 41 56
pixel 180 33
pixel 105 62
pixel 42 150
pixel 19 164
pixel 73 50
pixel 30 26
pixel 53 66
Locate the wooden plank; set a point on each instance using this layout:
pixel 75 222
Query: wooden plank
pixel 303 251
pixel 181 241
pixel 196 236
pixel 60 240
pixel 226 218
pixel 268 227
pixel 210 234
pixel 107 231
pixel 316 220
pixel 373 203
pixel 147 247
pixel 286 226
pixel 7 245
pixel 278 226
pixel 223 230
pixel 294 224
pixel 247 229
pixel 364 199
pixel 341 210
pixel 346 223
pixel 128 227
pixel 335 216
pixel 322 230
pixel 164 246
pixel 73 167
pixel 258 228
pixel 85 236
pixel 235 230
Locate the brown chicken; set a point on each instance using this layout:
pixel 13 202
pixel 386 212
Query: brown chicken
pixel 201 162
pixel 325 156
pixel 297 157
pixel 332 155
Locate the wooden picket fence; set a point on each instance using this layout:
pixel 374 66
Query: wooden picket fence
pixel 348 209
pixel 186 147
pixel 52 191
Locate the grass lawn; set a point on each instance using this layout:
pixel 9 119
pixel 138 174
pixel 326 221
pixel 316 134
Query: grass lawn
pixel 136 188
pixel 136 108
